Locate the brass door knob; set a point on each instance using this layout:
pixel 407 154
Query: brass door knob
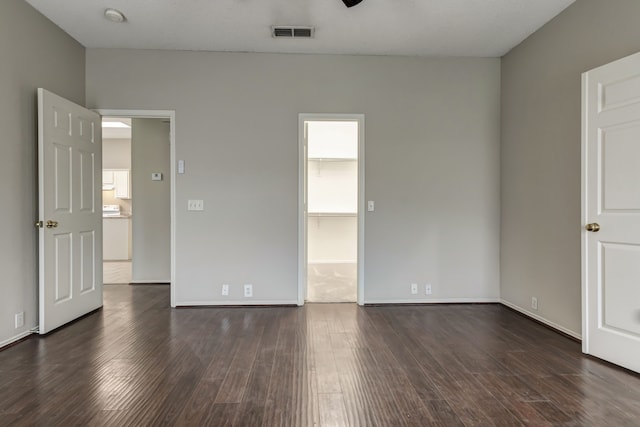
pixel 52 224
pixel 593 227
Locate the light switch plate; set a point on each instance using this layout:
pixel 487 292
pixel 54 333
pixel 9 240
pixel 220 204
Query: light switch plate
pixel 195 205
pixel 156 176
pixel 371 206
pixel 180 166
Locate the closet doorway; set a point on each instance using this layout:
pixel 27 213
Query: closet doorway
pixel 331 181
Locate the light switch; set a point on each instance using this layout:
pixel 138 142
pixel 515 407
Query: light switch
pixel 181 166
pixel 370 206
pixel 156 176
pixel 195 205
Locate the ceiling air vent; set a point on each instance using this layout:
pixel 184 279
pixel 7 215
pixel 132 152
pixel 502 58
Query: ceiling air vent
pixel 292 32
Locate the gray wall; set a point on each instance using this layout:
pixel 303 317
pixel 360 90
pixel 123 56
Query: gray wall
pixel 151 201
pixel 116 153
pixel 540 156
pixel 432 164
pixel 33 53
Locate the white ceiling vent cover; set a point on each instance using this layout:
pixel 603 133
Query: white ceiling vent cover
pixel 296 32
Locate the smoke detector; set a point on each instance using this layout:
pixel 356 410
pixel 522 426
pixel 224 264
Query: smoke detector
pixel 114 15
pixel 296 32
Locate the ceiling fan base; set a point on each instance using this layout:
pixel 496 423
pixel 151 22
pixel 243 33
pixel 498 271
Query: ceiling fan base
pixel 351 3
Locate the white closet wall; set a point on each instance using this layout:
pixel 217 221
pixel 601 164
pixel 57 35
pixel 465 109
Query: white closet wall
pixel 333 186
pixel 332 183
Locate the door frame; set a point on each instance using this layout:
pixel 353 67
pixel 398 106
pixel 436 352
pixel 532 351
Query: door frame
pixel 584 215
pixel 171 116
pixel 584 174
pixel 302 226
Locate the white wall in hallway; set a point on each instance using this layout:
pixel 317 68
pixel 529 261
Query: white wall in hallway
pixel 116 153
pixel 151 221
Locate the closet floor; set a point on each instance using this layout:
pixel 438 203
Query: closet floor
pixel 332 282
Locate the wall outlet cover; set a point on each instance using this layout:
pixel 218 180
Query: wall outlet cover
pixel 19 320
pixel 248 291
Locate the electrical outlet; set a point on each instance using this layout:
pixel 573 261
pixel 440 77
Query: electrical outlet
pixel 534 303
pixel 225 290
pixel 414 289
pixel 248 291
pixel 427 289
pixel 19 319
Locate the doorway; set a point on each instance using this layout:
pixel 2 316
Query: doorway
pixel 152 182
pixel 117 202
pixel 330 213
pixel 136 247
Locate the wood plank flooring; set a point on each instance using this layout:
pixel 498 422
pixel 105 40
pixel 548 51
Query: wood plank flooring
pixel 139 363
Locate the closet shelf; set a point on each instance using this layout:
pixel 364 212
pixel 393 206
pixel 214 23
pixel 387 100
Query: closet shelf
pixel 332 214
pixel 332 159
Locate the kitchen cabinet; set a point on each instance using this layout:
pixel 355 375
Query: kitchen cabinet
pixel 115 238
pixel 107 179
pixel 122 184
pixel 118 180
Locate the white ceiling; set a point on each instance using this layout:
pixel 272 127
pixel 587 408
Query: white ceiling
pixel 117 132
pixel 485 28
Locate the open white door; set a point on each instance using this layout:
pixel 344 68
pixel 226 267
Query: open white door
pixel 70 210
pixel 611 212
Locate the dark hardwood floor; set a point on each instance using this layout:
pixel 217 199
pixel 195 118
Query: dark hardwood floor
pixel 138 362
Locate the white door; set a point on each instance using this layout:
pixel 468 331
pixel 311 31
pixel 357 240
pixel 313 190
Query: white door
pixel 611 212
pixel 70 210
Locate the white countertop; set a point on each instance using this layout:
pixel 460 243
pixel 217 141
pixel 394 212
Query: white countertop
pixel 121 216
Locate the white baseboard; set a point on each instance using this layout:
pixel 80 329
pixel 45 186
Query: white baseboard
pixel 14 339
pixel 542 320
pixel 235 303
pixel 433 301
pixel 151 282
